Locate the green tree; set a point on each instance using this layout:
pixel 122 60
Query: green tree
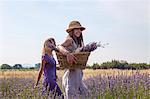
pixel 37 66
pixel 17 66
pixel 6 66
pixel 95 66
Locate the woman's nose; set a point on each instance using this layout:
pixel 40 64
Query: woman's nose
pixel 79 30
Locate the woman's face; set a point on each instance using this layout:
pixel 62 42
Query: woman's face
pixel 50 45
pixel 77 32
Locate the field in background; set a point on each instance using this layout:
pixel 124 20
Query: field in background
pixel 87 73
pixel 101 83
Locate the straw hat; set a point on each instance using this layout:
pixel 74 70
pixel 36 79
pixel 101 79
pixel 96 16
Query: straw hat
pixel 74 25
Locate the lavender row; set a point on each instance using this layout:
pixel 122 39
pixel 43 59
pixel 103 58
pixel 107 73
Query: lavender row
pixel 108 86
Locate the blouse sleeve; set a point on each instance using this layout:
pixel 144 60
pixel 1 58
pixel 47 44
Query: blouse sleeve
pixel 67 43
pixel 45 58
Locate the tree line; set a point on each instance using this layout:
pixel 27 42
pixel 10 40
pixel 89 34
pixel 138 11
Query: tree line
pixel 114 64
pixel 19 66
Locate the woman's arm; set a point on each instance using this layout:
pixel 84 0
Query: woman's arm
pixel 40 71
pixel 70 57
pixel 63 50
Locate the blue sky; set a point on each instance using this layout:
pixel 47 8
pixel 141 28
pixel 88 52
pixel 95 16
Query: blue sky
pixel 124 24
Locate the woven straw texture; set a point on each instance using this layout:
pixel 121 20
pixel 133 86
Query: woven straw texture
pixel 82 58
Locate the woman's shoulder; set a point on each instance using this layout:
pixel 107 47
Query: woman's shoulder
pixel 68 41
pixel 44 57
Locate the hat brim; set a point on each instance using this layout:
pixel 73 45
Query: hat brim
pixel 80 27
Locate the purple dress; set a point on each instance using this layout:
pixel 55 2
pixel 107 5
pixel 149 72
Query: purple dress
pixel 49 81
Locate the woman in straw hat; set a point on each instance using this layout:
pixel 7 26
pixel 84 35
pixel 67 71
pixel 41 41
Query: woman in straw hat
pixel 72 78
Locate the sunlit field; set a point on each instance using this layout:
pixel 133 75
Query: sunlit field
pixel 102 84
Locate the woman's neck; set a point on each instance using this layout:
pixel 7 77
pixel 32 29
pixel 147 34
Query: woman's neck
pixel 49 54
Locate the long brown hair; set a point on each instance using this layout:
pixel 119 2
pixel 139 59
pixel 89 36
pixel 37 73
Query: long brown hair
pixel 77 40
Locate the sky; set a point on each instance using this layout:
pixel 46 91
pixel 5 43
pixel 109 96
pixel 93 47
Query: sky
pixel 26 24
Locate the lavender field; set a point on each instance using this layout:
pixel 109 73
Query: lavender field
pixel 102 84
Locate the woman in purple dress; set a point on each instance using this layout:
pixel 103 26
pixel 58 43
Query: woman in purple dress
pixel 48 65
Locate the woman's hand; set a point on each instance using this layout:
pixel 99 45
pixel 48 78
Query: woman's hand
pixel 57 78
pixel 35 86
pixel 93 46
pixel 71 58
pixel 89 47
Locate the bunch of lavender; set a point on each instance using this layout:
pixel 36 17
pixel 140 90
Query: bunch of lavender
pixel 93 46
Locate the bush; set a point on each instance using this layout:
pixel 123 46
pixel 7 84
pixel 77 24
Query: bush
pixel 120 65
pixel 6 66
pixel 17 66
